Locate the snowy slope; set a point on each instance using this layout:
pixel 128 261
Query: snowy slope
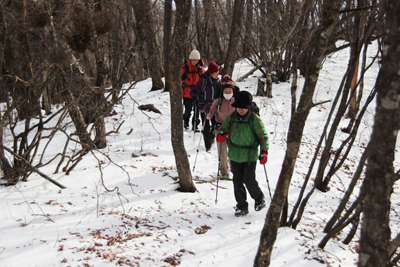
pixel 141 220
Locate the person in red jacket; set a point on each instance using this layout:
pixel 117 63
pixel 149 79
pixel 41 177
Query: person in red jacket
pixel 190 74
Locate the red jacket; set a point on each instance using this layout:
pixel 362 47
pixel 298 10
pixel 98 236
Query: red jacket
pixel 192 76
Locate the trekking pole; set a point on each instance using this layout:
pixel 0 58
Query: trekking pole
pixel 195 124
pixel 266 176
pixel 219 164
pixel 265 170
pixel 197 153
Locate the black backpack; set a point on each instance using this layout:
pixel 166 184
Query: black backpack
pixel 255 108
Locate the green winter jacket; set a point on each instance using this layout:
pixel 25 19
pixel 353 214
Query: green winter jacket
pixel 244 136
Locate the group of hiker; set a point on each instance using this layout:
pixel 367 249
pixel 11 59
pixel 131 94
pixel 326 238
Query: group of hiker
pixel 228 115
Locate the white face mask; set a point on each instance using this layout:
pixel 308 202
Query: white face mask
pixel 228 96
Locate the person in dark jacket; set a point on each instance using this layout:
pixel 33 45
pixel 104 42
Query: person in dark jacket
pixel 205 91
pixel 246 132
pixel 190 75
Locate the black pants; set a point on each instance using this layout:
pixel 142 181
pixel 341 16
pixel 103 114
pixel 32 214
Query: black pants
pixel 245 174
pixel 187 103
pixel 208 136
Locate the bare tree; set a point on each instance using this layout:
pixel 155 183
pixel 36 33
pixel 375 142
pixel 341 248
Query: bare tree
pixel 248 32
pixel 167 41
pixel 321 40
pixel 146 37
pixel 380 176
pixel 338 156
pixel 279 25
pixel 234 38
pixel 182 15
pixel 355 50
pixel 209 34
pixel 59 51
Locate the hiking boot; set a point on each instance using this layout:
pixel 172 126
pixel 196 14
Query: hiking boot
pixel 241 212
pixel 186 126
pixel 196 130
pixel 259 205
pixel 208 149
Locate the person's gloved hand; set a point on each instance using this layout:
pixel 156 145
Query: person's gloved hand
pixel 220 137
pixel 184 85
pixel 263 156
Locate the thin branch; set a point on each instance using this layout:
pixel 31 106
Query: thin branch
pixel 33 168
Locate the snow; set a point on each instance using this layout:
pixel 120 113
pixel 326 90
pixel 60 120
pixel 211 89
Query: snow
pixel 139 219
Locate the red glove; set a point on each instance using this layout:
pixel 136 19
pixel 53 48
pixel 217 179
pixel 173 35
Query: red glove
pixel 263 156
pixel 220 137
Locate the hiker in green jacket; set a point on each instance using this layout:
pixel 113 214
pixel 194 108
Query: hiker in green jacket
pixel 245 132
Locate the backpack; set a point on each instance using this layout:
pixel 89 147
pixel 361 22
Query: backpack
pixel 184 75
pixel 201 91
pixel 255 108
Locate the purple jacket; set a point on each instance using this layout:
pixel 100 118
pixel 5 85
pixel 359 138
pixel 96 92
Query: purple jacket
pixel 208 94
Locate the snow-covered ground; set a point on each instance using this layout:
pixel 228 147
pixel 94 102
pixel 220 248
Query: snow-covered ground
pixel 141 220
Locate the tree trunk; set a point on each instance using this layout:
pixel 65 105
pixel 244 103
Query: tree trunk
pixel 5 166
pixel 268 92
pixel 248 34
pixel 147 35
pixel 327 151
pixel 99 100
pixel 380 177
pixel 234 38
pixel 293 87
pixel 167 42
pixel 202 28
pixel 353 94
pixel 345 199
pixel 260 87
pixel 208 33
pixel 358 36
pixel 68 70
pixel 183 8
pixel 334 166
pixel 46 100
pixel 116 62
pixel 318 46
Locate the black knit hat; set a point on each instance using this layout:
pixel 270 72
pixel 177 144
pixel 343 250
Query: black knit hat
pixel 243 99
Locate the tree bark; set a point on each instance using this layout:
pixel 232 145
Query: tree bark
pixel 99 100
pixel 234 38
pixel 9 174
pixel 167 42
pixel 183 8
pixel 380 177
pixel 66 71
pixel 147 35
pixel 248 35
pixel 320 41
pixel 260 87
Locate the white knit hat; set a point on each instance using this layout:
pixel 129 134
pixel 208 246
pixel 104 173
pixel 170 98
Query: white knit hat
pixel 194 54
